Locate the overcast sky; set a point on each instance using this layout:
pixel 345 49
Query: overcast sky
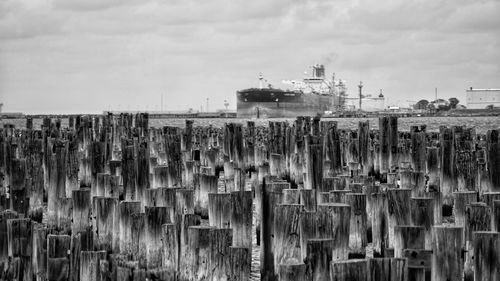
pixel 84 56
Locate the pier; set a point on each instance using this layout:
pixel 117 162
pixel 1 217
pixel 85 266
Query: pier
pixel 110 197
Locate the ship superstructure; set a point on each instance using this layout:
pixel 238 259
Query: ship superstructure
pixel 313 95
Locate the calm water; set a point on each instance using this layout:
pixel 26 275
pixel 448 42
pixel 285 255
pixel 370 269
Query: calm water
pixel 482 124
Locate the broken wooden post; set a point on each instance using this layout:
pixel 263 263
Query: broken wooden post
pixel 380 225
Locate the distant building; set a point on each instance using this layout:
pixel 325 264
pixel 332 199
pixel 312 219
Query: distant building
pixel 482 98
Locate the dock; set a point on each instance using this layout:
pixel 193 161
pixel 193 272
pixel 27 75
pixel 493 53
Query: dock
pixel 109 197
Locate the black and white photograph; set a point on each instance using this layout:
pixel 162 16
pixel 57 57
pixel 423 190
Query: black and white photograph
pixel 248 140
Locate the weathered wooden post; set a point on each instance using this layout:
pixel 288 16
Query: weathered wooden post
pixel 170 247
pixel 358 239
pixel 486 255
pixel 269 200
pixel 292 272
pixel 160 176
pixel 363 145
pixel 330 221
pixel 219 210
pixel 129 172
pixel 126 209
pixel 447 179
pixel 58 263
pixel 477 218
pixel 194 265
pixel 39 256
pixel 156 217
pixel 291 196
pixel 394 269
pixel 286 241
pixel 349 270
pixel 398 210
pixel 105 217
pixel 208 184
pixel 318 259
pixel 308 199
pixel 81 210
pixel 241 218
pixel 240 260
pixel 422 214
pixel 380 225
pixel 495 225
pixel 460 201
pixel 447 262
pixel 57 177
pixel 408 237
pixel 493 158
pixel 90 265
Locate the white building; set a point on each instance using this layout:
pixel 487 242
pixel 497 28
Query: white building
pixel 482 98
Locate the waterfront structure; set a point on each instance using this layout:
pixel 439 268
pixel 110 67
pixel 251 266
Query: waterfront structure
pixel 482 98
pixel 368 103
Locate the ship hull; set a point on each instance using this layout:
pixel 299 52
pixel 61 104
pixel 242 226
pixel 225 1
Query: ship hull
pixel 275 103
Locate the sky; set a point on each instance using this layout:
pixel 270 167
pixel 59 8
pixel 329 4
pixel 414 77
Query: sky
pixel 87 56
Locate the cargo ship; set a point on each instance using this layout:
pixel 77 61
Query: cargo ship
pixel 314 95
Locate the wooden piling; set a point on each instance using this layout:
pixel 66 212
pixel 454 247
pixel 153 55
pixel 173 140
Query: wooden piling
pixel 349 270
pixel 292 272
pixel 486 255
pixel 241 218
pixel 58 263
pixel 318 259
pixel 447 263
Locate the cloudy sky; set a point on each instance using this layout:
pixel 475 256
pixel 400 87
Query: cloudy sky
pixel 68 56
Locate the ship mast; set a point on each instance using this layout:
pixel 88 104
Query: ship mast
pixel 360 86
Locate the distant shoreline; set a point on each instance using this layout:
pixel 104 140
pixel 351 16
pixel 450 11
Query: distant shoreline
pixel 232 114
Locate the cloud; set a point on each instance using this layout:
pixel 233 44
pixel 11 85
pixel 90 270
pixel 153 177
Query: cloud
pixel 69 55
